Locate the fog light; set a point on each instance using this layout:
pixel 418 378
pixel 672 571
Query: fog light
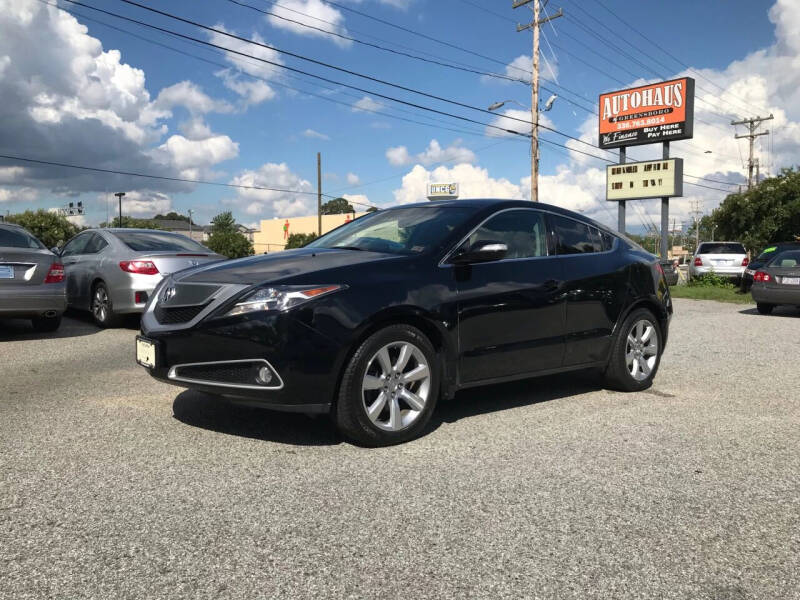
pixel 264 375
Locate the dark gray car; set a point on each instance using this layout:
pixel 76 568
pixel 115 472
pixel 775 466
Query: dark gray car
pixel 113 272
pixel 777 282
pixel 31 279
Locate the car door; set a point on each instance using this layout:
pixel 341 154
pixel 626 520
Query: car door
pixel 510 311
pixel 73 269
pixel 595 287
pixel 91 267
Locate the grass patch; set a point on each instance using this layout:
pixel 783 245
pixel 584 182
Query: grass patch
pixel 726 293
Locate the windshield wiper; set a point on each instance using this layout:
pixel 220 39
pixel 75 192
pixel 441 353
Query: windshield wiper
pixel 348 248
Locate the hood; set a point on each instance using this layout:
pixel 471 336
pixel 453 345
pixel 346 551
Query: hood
pixel 280 265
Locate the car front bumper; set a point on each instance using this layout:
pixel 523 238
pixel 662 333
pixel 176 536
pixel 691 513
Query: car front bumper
pixel 33 301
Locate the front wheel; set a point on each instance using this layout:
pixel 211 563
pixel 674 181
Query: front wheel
pixel 635 353
pixel 764 308
pixel 102 308
pixel 389 388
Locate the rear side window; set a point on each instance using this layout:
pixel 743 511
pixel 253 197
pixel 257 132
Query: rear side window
pixel 786 259
pixel 575 237
pixel 607 240
pixel 523 231
pixel 11 237
pixel 152 241
pixel 76 245
pixel 95 245
pixel 721 248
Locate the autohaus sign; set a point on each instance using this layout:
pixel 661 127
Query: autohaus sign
pixel 659 112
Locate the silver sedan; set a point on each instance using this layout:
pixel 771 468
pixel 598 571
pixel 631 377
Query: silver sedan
pixel 113 272
pixel 31 279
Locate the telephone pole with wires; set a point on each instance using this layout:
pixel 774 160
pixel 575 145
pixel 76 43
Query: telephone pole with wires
pixel 752 124
pixel 535 24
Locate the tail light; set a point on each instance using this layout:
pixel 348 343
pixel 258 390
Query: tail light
pixel 761 276
pixel 140 267
pixel 745 261
pixel 55 274
pixel 698 262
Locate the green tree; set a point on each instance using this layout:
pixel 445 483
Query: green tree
pixel 226 239
pixel 372 209
pixel 51 228
pixel 770 212
pixel 173 216
pixel 337 206
pixel 132 223
pixel 298 240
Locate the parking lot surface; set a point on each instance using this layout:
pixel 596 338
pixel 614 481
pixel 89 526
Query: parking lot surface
pixel 113 485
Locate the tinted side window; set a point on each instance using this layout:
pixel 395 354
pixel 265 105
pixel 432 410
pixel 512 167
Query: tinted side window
pixel 76 245
pixel 607 240
pixel 523 231
pixel 95 244
pixel 574 237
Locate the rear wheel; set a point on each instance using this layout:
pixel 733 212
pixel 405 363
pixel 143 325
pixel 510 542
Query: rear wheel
pixel 389 388
pixel 764 308
pixel 635 353
pixel 102 309
pixel 44 324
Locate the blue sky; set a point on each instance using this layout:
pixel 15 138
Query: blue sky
pixel 270 136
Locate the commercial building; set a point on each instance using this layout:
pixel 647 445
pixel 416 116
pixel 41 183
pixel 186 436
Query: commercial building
pixel 274 233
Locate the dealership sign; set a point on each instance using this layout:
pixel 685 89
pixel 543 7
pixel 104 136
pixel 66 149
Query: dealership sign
pixel 650 179
pixel 442 191
pixel 660 112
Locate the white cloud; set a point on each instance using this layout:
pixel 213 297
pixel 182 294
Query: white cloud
pixel 314 13
pixel 366 104
pixel 191 156
pixel 145 203
pixel 353 179
pixel 195 129
pixel 434 153
pixel 316 135
pixel 360 201
pixel 190 96
pixel 268 203
pixel 473 181
pixel 18 194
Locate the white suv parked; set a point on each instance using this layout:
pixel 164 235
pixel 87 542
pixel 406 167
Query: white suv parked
pixel 727 259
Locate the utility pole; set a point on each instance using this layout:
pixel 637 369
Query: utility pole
pixel 752 124
pixel 535 25
pixel 190 223
pixel 319 194
pixel 120 195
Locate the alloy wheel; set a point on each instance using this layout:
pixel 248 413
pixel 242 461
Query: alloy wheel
pixel 100 304
pixel 641 349
pixel 396 386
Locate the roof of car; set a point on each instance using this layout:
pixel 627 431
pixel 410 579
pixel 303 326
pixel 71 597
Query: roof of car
pixel 128 229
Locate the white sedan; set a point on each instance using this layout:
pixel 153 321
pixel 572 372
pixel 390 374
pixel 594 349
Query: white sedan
pixel 726 259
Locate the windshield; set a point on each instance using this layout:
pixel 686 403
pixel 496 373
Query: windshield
pixel 786 259
pixel 770 252
pixel 11 237
pixel 721 248
pixel 156 241
pixel 397 230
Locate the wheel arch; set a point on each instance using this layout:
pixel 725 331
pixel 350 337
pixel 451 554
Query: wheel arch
pixel 655 307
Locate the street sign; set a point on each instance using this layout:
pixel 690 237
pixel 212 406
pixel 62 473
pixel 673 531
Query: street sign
pixel 659 112
pixel 442 191
pixel 649 179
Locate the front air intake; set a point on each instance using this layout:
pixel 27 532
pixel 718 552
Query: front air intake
pixel 248 374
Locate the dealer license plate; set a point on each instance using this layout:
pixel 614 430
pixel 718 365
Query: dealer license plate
pixel 791 281
pixel 145 352
pixel 6 272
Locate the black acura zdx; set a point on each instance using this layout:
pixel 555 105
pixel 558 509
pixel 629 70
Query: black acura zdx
pixel 376 320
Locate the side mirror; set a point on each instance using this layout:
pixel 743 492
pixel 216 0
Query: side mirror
pixel 481 252
pixel 56 250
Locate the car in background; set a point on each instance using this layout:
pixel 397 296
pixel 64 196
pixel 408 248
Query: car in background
pixel 112 272
pixel 777 282
pixel 31 279
pixel 726 259
pixel 670 268
pixel 762 259
pixel 374 321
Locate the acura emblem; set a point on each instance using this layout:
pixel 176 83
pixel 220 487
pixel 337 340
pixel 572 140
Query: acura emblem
pixel 167 294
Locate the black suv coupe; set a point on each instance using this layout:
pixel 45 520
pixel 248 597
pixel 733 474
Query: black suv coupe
pixel 375 321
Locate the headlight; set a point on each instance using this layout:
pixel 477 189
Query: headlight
pixel 279 298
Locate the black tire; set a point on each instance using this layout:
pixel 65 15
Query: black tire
pixel 350 412
pixel 45 324
pixel 105 318
pixel 617 374
pixel 764 308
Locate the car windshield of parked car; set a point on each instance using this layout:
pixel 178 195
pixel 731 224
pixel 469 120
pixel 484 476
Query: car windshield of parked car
pixel 17 238
pixel 721 248
pixel 397 231
pixel 786 259
pixel 153 241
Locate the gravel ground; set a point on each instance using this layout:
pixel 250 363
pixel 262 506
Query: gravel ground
pixel 113 485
